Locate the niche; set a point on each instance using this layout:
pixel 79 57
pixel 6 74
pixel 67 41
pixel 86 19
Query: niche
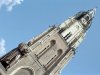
pixel 59 52
pixel 52 42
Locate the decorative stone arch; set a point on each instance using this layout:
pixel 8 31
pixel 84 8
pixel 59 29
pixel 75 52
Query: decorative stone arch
pixel 23 70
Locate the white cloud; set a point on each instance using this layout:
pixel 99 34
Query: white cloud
pixel 2 47
pixel 9 4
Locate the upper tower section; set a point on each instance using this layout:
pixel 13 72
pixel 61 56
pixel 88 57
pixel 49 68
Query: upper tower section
pixel 76 26
pixel 86 17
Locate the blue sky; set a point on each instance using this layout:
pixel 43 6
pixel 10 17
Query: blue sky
pixel 20 20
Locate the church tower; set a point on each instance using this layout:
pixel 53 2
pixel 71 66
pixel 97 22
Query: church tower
pixel 47 53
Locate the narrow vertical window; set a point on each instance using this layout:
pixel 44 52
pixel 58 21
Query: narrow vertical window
pixel 67 36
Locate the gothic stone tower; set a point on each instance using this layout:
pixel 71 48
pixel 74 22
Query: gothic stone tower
pixel 50 51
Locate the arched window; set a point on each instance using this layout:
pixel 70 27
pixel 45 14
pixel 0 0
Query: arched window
pixel 59 52
pixel 23 71
pixel 53 42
